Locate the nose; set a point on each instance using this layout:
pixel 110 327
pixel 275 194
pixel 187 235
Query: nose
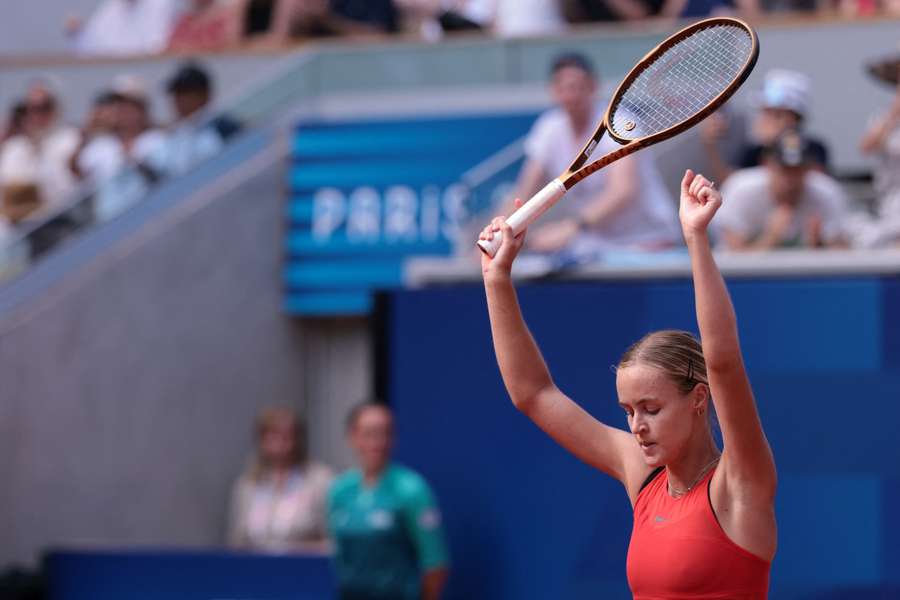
pixel 638 425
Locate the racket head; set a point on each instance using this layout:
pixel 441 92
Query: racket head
pixel 682 81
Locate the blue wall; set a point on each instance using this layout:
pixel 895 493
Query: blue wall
pixel 528 521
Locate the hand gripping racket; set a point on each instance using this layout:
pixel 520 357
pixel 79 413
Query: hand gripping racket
pixel 675 86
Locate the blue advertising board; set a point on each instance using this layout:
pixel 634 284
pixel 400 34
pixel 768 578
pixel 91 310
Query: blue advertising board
pixel 365 194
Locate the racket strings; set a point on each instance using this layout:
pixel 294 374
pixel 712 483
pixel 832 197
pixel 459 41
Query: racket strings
pixel 682 81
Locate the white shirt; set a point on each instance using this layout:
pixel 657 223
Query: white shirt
pixel 747 202
pixel 186 147
pixel 278 518
pixel 104 161
pixel 649 219
pixel 128 27
pixel 45 163
pixel 527 17
pixel 104 156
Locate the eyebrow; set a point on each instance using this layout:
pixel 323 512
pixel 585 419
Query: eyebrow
pixel 640 401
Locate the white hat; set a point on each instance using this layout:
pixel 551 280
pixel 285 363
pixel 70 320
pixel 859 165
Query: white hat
pixel 786 89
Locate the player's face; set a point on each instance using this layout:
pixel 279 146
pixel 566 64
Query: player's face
pixel 660 416
pixel 278 443
pixel 372 438
pixel 573 90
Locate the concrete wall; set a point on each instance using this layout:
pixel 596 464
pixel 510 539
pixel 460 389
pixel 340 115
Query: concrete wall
pixel 130 385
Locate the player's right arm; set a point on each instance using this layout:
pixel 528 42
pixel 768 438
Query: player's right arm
pixel 530 385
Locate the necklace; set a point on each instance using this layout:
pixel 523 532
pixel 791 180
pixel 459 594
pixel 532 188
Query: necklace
pixel 676 493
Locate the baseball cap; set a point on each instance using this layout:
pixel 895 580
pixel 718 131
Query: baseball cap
pixel 791 149
pixel 787 90
pixel 189 77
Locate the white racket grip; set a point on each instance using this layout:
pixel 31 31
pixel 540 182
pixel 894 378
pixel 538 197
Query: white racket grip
pixel 527 214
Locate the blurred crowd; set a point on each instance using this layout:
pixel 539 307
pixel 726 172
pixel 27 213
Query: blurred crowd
pixel 130 27
pixel 775 175
pixel 118 152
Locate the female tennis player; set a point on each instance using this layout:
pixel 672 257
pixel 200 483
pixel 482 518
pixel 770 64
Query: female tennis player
pixel 704 520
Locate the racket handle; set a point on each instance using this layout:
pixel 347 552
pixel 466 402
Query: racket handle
pixel 526 214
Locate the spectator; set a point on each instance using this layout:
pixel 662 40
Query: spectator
pixel 191 139
pixel 433 18
pixel 122 161
pixel 207 25
pixel 580 11
pixel 125 27
pixel 516 18
pixel 274 22
pixel 99 156
pixel 784 203
pixel 34 165
pixel 384 520
pixel 279 503
pixel 882 140
pixel 633 10
pixel 624 205
pixel 15 124
pixel 784 105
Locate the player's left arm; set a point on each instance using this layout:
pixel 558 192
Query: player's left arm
pixel 423 520
pixel 747 462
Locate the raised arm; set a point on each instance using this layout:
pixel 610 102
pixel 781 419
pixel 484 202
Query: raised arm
pixel 874 138
pixel 528 380
pixel 747 461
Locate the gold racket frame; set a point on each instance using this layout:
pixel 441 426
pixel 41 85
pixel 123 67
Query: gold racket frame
pixel 578 170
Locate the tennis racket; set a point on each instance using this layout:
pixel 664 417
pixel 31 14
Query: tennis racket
pixel 675 86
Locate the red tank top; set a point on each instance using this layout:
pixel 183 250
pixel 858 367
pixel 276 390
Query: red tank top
pixel 679 551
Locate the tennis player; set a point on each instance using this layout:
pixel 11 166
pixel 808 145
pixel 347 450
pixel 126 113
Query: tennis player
pixel 704 519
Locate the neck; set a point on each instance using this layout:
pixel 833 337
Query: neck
pixel 688 470
pixel 580 123
pixel 371 475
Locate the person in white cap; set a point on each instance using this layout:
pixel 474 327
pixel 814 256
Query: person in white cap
pixel 784 103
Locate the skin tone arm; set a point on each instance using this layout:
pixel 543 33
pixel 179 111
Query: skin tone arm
pixel 528 380
pixel 744 485
pixel 621 188
pixel 874 139
pixel 433 582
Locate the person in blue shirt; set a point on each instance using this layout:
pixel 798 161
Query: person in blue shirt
pixel 384 520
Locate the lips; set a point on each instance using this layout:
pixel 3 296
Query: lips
pixel 647 445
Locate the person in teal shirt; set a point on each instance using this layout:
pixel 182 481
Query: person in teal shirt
pixel 384 520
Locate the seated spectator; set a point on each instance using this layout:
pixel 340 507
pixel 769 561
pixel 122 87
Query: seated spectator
pixel 579 11
pixel 34 165
pixel 882 141
pixel 623 206
pixel 192 140
pixel 207 25
pixel 784 104
pixel 384 519
pixel 99 156
pixel 279 503
pixel 124 27
pixel 517 18
pixel 786 203
pixel 15 124
pixel 592 11
pixel 122 149
pixel 275 22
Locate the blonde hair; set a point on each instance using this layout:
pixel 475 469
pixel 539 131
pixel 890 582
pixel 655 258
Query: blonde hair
pixel 678 354
pixel 269 418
